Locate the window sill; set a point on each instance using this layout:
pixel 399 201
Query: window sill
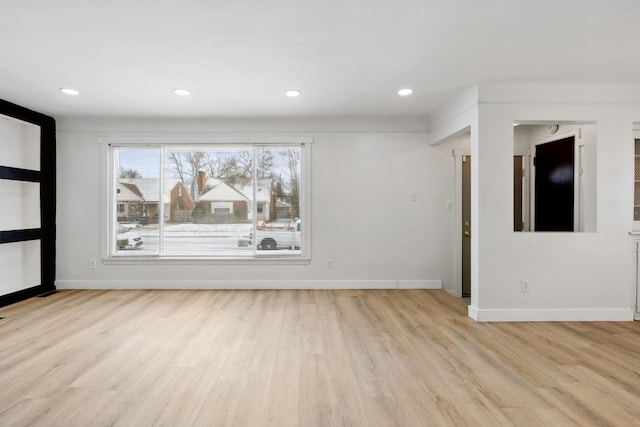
pixel 204 261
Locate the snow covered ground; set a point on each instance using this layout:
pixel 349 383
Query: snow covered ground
pixel 195 230
pixel 198 239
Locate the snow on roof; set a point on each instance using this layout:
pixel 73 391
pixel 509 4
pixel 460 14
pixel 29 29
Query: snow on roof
pixel 223 192
pixel 149 188
pixel 208 185
pixel 128 193
pixel 262 190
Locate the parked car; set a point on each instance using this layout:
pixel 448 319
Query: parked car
pixel 127 239
pixel 277 236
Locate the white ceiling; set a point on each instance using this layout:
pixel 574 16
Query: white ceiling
pixel 348 57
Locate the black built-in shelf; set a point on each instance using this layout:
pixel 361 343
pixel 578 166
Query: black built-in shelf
pixel 46 177
pixel 18 174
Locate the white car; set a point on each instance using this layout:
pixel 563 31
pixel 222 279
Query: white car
pixel 278 236
pixel 128 239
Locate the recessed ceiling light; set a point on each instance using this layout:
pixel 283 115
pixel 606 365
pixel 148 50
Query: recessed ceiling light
pixel 69 91
pixel 405 92
pixel 181 92
pixel 293 93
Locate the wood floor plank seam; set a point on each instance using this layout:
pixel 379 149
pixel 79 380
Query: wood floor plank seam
pixel 305 358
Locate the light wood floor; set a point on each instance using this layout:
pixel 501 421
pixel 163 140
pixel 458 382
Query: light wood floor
pixel 305 358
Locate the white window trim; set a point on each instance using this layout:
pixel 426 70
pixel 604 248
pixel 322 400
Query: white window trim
pixel 635 227
pixel 107 207
pixel 203 139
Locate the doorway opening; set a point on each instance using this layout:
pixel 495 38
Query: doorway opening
pixel 460 148
pixel 462 224
pixel 466 226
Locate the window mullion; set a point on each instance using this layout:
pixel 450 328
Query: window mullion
pixel 113 217
pixel 161 204
pixel 254 204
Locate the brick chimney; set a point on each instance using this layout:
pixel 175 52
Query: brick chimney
pixel 202 181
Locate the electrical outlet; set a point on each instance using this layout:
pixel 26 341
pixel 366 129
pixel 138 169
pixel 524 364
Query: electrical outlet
pixel 413 197
pixel 92 263
pixel 525 285
pixel 449 205
pixel 329 263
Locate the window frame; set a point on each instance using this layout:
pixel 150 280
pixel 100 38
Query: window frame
pixel 109 207
pixel 635 136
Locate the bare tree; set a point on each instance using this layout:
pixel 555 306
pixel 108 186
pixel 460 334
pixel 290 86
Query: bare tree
pixel 293 161
pixel 224 166
pixel 186 165
pixel 237 168
pixel 216 163
pixel 279 189
pixel 263 164
pixel 175 161
pixel 129 173
pixel 234 168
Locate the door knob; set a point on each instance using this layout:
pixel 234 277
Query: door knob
pixel 467 233
pixel 467 224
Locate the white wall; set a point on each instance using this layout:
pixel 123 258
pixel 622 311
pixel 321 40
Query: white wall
pixel 19 144
pixel 383 239
pixel 362 174
pixel 20 200
pixel 574 276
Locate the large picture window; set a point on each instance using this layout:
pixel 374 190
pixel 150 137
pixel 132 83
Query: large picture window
pixel 207 201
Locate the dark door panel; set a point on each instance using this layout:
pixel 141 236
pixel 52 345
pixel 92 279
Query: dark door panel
pixel 518 223
pixel 554 185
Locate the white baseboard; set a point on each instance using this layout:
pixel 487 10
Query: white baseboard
pixel 453 293
pixel 552 315
pixel 248 284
